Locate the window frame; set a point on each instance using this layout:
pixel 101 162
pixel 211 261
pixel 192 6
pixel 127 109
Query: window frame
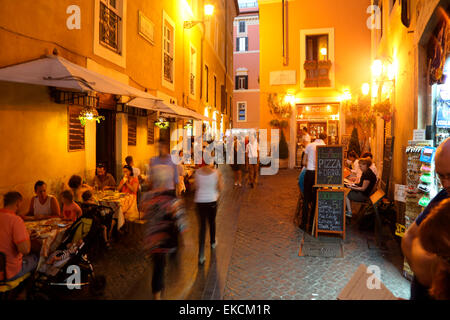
pixel 238 114
pixel 166 83
pixel 330 52
pixel 117 57
pixel 193 58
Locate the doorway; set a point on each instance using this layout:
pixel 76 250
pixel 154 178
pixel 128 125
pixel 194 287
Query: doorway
pixel 106 141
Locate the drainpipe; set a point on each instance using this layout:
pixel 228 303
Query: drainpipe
pixel 284 12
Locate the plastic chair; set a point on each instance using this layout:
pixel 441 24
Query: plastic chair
pixel 7 287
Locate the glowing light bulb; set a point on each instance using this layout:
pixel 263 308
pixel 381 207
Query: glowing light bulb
pixel 365 89
pixel 209 10
pixel 377 68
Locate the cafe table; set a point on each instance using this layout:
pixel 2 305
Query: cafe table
pixel 48 233
pixel 124 205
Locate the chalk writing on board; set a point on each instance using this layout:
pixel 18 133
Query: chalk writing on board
pixel 329 165
pixel 331 211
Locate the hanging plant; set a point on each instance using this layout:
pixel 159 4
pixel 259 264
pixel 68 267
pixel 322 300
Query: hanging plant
pixel 278 107
pixel 89 114
pixel 162 123
pixel 383 109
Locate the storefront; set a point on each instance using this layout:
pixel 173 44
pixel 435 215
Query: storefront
pixel 317 118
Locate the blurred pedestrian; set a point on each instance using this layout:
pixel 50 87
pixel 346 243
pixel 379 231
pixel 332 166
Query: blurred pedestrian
pixel 238 162
pixel 164 216
pixel 252 149
pixel 434 236
pixel 208 184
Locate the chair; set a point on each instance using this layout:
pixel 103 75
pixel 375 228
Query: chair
pixel 7 287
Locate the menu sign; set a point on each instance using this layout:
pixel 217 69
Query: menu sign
pixel 330 212
pixel 329 166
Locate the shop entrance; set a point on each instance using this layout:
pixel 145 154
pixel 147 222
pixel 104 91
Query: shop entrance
pixel 106 141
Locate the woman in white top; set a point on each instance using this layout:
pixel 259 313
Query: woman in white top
pixel 43 206
pixel 208 184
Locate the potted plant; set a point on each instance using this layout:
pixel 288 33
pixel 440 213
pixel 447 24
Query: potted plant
pixel 383 109
pixel 281 112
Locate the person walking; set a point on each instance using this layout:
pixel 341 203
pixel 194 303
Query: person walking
pixel 252 154
pixel 164 224
pixel 237 167
pixel 418 257
pixel 162 166
pixel 208 184
pixel 309 161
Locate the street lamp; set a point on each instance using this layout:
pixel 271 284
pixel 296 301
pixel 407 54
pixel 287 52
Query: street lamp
pixel 365 89
pixel 208 12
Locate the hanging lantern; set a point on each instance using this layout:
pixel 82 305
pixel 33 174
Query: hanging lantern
pixel 89 114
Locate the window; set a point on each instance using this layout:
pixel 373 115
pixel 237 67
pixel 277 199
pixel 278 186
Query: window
pixel 223 99
pixel 317 64
pixel 193 72
pixel 207 82
pixel 241 82
pixel 241 26
pixel 109 25
pixel 242 44
pixel 215 91
pixel 151 128
pixel 75 129
pixel 168 52
pixel 242 111
pixel 132 128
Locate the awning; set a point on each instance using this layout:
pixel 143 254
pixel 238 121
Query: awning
pixel 55 71
pixel 168 110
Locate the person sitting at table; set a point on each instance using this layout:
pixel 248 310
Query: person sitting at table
pixel 71 210
pixel 43 205
pixel 103 180
pixel 136 171
pixel 372 167
pixel 362 191
pixel 351 158
pixel 129 183
pixel 78 187
pixel 15 239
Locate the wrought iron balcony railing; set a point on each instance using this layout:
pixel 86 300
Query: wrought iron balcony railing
pixel 317 73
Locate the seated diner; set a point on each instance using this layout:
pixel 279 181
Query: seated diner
pixel 43 205
pixel 361 192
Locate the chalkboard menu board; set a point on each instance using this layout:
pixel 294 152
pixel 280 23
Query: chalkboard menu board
pixel 330 211
pixel 329 169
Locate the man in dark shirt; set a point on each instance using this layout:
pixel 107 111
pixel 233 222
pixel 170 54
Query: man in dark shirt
pixel 104 180
pixel 420 260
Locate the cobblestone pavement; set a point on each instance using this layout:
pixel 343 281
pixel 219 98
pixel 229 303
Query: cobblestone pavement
pixel 265 263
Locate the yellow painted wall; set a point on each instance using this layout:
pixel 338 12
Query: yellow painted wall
pixel 34 130
pixel 352 44
pixel 34 141
pixel 410 102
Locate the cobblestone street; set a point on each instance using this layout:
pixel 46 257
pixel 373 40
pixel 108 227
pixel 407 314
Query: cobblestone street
pixel 265 263
pixel 257 256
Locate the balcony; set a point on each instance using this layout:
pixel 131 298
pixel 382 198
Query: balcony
pixel 109 28
pixel 317 73
pixel 168 68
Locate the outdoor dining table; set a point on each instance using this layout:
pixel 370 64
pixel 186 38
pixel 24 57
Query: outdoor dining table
pixel 124 205
pixel 48 233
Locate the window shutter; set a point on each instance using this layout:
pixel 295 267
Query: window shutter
pixel 75 129
pixel 246 43
pixel 246 82
pixel 132 128
pixel 237 44
pixel 151 128
pixel 236 80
